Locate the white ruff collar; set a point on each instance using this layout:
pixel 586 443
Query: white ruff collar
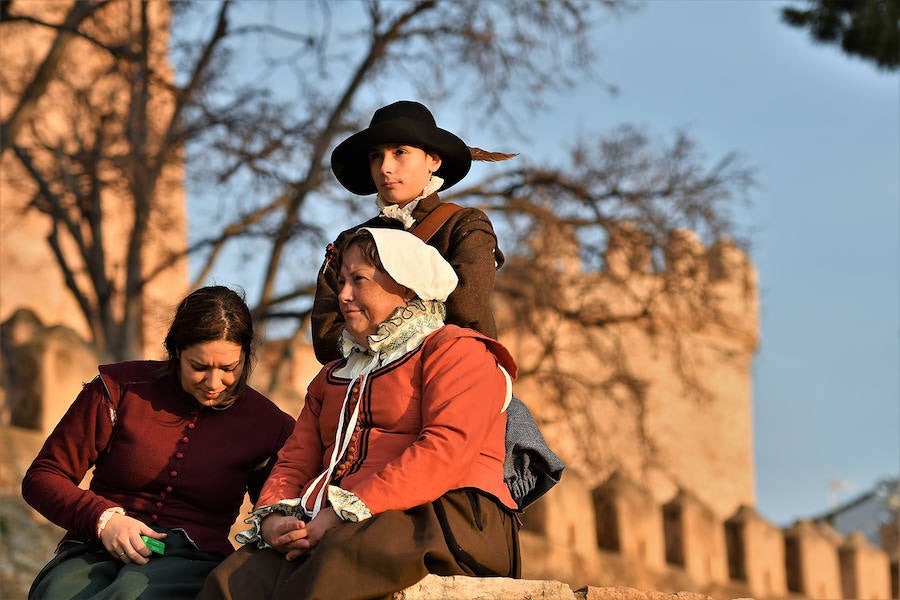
pixel 395 337
pixel 404 214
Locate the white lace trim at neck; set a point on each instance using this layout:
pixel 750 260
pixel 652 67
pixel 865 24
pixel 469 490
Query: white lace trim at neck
pixel 404 214
pixel 398 335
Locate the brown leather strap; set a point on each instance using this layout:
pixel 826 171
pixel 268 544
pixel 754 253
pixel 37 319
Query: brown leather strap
pixel 430 224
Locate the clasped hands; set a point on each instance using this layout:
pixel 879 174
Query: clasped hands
pixel 293 537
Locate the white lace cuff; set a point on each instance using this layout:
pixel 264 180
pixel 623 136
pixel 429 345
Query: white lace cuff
pixel 347 505
pixel 291 507
pixel 105 516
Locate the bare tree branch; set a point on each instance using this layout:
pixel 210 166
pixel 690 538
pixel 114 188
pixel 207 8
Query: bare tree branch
pixel 260 159
pixel 44 75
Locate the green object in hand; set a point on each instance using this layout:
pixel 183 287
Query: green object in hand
pixel 155 546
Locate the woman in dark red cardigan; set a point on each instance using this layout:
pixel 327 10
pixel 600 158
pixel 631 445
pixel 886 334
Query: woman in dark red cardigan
pixel 174 445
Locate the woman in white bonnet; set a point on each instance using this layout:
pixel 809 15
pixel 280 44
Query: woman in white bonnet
pixel 395 467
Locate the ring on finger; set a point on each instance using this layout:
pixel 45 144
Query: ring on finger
pixel 123 554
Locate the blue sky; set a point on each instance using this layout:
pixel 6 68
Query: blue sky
pixel 823 132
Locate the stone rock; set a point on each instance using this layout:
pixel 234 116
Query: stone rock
pixel 627 593
pixel 434 587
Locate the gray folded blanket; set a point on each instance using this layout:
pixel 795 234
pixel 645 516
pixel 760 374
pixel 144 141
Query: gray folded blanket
pixel 530 468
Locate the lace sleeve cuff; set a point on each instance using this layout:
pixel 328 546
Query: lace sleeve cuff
pixel 290 507
pixel 105 516
pixel 347 505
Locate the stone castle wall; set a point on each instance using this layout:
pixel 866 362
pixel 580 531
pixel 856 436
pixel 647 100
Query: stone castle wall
pixel 617 534
pixel 665 399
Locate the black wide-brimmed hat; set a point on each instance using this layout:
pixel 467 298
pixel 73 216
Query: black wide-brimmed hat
pixel 403 122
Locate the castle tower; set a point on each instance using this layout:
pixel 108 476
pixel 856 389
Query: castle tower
pixel 31 277
pixel 639 369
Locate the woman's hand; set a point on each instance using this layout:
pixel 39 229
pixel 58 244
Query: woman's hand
pixel 322 522
pixel 286 534
pixel 122 538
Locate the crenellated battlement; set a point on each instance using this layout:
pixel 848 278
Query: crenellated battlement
pixel 681 543
pixel 710 288
pixel 629 251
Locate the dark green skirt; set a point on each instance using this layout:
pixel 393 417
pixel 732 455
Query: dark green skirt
pixel 85 570
pixel 464 532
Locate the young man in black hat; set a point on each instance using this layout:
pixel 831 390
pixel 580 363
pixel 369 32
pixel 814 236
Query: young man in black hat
pixel 406 159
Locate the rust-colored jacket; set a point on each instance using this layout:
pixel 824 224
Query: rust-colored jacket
pixel 467 241
pixel 429 422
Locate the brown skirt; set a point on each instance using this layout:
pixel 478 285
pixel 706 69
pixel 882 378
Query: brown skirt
pixel 464 532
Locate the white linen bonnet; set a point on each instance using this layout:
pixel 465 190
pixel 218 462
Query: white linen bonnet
pixel 414 264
